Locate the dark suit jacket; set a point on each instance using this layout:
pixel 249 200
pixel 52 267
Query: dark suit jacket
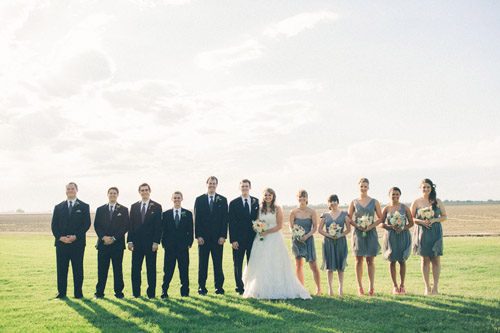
pixel 116 227
pixel 240 222
pixel 77 224
pixel 174 237
pixel 210 226
pixel 143 235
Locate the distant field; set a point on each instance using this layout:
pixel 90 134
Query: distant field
pixel 462 220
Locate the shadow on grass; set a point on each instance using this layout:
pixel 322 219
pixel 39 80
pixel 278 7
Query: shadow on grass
pixel 348 313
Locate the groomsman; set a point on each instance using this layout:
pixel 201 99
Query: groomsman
pixel 143 239
pixel 242 211
pixel 70 222
pixel 177 238
pixel 111 223
pixel 210 219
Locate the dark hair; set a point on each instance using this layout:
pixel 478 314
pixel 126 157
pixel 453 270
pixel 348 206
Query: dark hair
pixel 394 188
pixel 272 205
pixel 72 183
pixel 303 193
pixel 432 195
pixel 246 181
pixel 333 197
pixel 114 188
pixel 178 192
pixel 213 178
pixel 144 184
pixel 364 180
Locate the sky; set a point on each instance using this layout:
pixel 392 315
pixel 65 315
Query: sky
pixel 289 94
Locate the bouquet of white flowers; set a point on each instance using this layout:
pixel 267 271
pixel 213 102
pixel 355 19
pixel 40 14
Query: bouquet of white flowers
pixel 364 222
pixel 395 218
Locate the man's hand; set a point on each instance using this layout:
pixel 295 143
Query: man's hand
pixel 200 240
pixel 235 245
pixel 108 240
pixel 155 247
pixel 65 239
pixel 72 238
pixel 130 246
pixel 221 241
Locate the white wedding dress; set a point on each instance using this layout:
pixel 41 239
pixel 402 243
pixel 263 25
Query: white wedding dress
pixel 269 273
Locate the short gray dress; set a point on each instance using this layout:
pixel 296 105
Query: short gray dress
pixel 367 246
pixel 334 250
pixel 428 242
pixel 396 246
pixel 307 249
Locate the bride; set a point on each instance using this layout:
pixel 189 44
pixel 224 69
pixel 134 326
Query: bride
pixel 269 273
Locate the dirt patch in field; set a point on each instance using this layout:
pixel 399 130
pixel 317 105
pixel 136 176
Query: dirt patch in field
pixel 462 220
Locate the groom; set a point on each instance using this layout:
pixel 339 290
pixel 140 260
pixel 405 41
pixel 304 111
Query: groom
pixel 242 211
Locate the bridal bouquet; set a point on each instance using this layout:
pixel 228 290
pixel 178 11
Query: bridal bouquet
pixel 260 226
pixel 297 233
pixel 395 218
pixel 426 213
pixel 364 222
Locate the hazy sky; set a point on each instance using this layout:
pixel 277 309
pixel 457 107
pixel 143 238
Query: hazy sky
pixel 290 94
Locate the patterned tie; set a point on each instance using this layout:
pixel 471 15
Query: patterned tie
pixel 70 207
pixel 211 204
pixel 177 220
pixel 246 207
pixel 110 212
pixel 143 211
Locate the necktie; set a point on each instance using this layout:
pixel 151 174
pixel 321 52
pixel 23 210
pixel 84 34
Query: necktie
pixel 110 212
pixel 70 207
pixel 246 207
pixel 177 220
pixel 143 211
pixel 211 204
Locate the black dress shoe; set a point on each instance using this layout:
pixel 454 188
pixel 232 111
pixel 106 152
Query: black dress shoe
pixel 120 296
pixel 219 291
pixel 164 295
pixel 185 295
pixel 79 296
pixel 60 296
pixel 151 297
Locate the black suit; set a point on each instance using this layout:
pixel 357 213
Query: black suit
pixel 65 223
pixel 113 226
pixel 143 235
pixel 241 231
pixel 177 241
pixel 210 225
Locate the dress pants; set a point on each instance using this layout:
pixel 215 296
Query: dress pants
pixel 181 256
pixel 64 254
pixel 105 254
pixel 238 256
pixel 203 253
pixel 137 259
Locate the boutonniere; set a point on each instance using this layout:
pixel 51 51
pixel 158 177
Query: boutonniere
pixel 254 201
pixel 77 203
pixel 117 206
pixel 151 204
pixel 217 199
pixel 183 214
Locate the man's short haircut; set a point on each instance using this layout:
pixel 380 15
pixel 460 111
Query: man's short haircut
pixel 114 188
pixel 178 192
pixel 213 178
pixel 246 181
pixel 72 183
pixel 144 184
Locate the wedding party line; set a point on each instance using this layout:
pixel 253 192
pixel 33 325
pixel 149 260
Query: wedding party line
pixel 254 228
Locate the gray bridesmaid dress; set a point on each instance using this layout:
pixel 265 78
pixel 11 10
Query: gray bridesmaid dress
pixel 428 242
pixel 397 246
pixel 304 250
pixel 367 246
pixel 334 251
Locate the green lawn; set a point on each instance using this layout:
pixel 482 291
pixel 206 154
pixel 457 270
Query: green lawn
pixel 469 300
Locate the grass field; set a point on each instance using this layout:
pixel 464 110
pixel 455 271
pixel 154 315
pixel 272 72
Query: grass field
pixel 469 299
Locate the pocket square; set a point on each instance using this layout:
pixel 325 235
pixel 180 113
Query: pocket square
pixel 78 211
pixel 119 214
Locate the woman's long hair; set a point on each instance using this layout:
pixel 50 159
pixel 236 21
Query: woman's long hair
pixel 272 205
pixel 432 195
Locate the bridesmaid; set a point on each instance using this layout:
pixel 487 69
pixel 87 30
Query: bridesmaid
pixel 365 240
pixel 334 247
pixel 397 239
pixel 305 217
pixel 428 212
